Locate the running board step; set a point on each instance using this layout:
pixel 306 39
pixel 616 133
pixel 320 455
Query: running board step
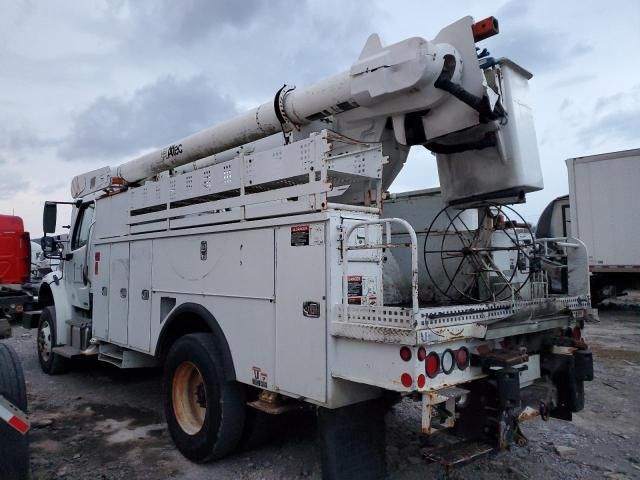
pixel 124 358
pixel 67 351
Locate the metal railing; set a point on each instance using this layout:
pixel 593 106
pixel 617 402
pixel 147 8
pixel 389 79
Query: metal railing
pixel 414 257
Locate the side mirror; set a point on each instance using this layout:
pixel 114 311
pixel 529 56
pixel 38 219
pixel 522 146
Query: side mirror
pixel 48 245
pixel 51 248
pixel 49 216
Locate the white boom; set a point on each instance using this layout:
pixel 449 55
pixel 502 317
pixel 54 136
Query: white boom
pixel 414 92
pixel 385 81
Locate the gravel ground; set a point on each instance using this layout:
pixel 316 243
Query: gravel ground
pixel 97 422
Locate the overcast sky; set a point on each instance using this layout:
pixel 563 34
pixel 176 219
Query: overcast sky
pixel 94 83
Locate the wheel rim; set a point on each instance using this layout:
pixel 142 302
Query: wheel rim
pixel 189 398
pixel 44 341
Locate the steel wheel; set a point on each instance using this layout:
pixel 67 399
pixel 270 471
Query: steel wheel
pixel 50 362
pixel 44 341
pixel 189 398
pixel 205 411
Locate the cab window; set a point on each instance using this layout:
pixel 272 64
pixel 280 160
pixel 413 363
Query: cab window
pixel 83 224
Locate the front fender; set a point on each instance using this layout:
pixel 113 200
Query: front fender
pixel 57 296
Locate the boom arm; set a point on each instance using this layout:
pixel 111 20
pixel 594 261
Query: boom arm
pixel 429 92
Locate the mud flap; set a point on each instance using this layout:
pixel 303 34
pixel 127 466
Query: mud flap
pixel 570 373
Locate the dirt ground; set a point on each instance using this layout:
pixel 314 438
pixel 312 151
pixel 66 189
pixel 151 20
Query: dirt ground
pixel 97 422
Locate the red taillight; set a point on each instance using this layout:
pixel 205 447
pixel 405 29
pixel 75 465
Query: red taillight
pixel 406 380
pixel 422 354
pixel 462 358
pixel 432 365
pixel 405 354
pixel 421 380
pixel 448 361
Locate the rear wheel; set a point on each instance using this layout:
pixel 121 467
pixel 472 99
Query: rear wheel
pixel 14 447
pixel 50 362
pixel 352 441
pixel 205 412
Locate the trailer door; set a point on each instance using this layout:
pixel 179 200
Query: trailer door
pixel 301 336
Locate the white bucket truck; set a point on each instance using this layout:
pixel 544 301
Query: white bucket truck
pixel 262 264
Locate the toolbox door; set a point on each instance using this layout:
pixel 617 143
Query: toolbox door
pixel 100 287
pixel 301 336
pixel 139 325
pixel 119 292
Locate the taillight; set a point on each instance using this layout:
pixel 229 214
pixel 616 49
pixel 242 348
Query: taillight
pixel 462 358
pixel 422 354
pixel 448 361
pixel 432 365
pixel 406 380
pixel 405 354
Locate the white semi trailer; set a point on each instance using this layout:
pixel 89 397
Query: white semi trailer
pixel 601 211
pixel 258 262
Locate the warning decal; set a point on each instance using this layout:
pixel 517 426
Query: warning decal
pixel 299 235
pixel 303 235
pixel 354 289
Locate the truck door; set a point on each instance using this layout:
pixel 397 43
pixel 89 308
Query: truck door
pixel 76 270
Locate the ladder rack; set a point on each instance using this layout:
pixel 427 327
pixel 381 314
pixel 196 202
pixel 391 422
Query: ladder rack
pixel 291 179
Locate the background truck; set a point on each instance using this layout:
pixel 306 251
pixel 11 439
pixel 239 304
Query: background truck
pixel 16 290
pixel 262 264
pixel 601 211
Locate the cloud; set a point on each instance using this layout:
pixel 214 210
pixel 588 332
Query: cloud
pixel 11 184
pixel 539 50
pixel 154 115
pixel 27 138
pixel 618 125
pixel 513 9
pixel 188 21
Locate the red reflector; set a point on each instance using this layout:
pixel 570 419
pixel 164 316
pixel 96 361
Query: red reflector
pixel 97 256
pixel 462 358
pixel 432 365
pixel 422 354
pixel 405 354
pixel 19 425
pixel 19 308
pixel 421 381
pixel 406 380
pixel 95 268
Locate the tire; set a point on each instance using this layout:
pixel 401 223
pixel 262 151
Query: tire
pixel 209 419
pixel 5 327
pixel 352 441
pixel 14 447
pixel 51 363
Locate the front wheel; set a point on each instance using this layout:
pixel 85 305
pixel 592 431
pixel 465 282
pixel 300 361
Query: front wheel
pixel 205 412
pixel 50 362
